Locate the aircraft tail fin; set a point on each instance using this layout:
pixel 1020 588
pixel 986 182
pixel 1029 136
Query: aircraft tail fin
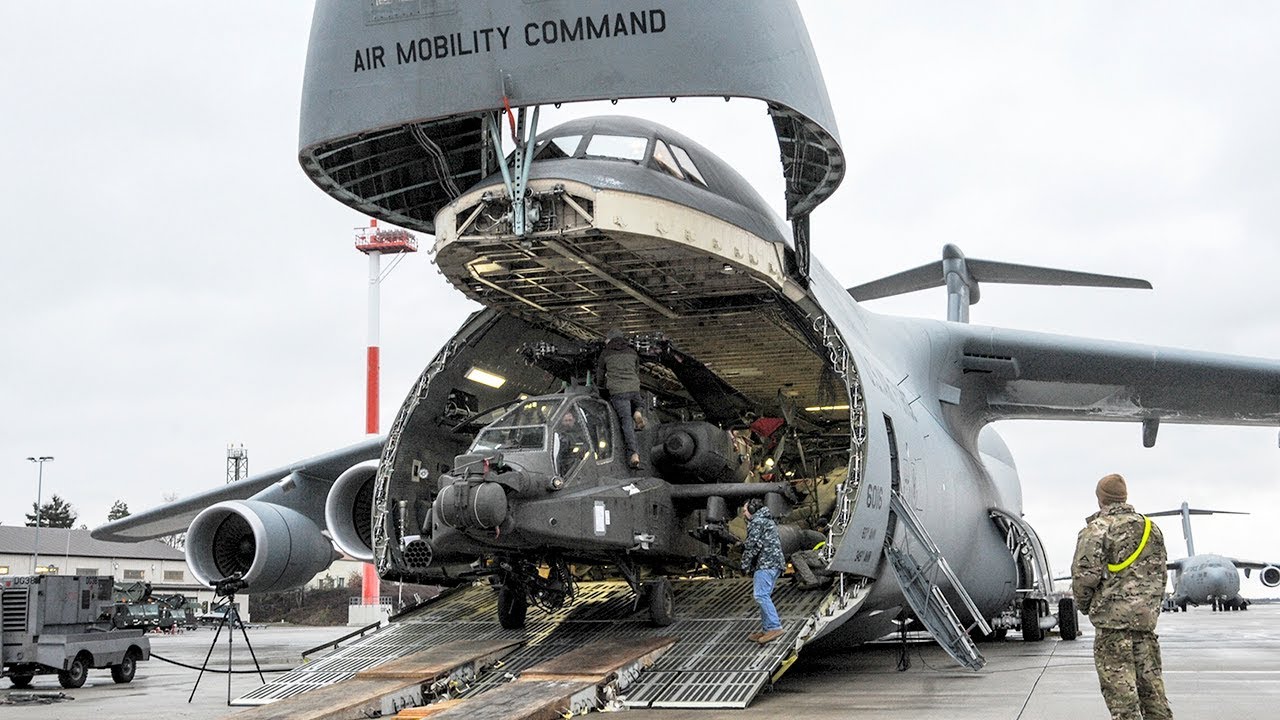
pixel 961 275
pixel 1186 512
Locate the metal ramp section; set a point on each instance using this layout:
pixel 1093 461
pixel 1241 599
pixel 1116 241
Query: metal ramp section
pixel 712 664
pixel 919 577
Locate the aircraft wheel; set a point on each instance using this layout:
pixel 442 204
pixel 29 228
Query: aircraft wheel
pixel 1183 605
pixel 74 676
pixel 661 602
pixel 513 606
pixel 1031 631
pixel 21 681
pixel 1068 621
pixel 123 672
pixel 1244 605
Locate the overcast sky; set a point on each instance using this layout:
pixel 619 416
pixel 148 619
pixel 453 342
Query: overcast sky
pixel 173 283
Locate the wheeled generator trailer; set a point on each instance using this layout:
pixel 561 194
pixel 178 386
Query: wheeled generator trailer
pixel 63 624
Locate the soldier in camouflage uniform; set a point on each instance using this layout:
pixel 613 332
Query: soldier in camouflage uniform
pixel 762 556
pixel 1118 578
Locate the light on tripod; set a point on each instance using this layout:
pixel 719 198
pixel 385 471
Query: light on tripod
pixel 227 588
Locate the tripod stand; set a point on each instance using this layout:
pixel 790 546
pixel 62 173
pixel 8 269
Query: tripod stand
pixel 231 614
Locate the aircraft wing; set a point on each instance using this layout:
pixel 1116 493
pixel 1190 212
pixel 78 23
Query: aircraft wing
pixel 174 517
pixel 1249 565
pixel 1022 374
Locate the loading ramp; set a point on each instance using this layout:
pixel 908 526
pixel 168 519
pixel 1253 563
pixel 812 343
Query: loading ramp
pixel 711 664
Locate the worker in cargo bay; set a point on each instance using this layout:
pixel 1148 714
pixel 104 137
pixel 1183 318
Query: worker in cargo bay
pixel 762 557
pixel 618 376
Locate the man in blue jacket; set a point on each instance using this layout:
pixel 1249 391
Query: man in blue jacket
pixel 762 556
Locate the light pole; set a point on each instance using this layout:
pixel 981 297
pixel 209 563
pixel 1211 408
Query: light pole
pixel 39 461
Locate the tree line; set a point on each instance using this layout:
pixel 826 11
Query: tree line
pixel 58 513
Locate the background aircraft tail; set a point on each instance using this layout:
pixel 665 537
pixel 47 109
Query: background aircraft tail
pixel 1186 513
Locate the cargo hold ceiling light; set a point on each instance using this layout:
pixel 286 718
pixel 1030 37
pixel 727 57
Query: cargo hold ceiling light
pixel 485 377
pixel 824 408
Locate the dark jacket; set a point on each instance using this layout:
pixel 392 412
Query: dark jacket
pixel 618 368
pixel 762 550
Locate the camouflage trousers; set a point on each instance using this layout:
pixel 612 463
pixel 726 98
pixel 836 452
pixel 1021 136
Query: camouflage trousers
pixel 811 569
pixel 1130 673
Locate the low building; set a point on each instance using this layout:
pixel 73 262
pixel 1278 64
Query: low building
pixel 65 551
pixel 73 552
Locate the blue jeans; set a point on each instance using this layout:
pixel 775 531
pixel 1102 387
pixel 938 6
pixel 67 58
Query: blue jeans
pixel 764 581
pixel 625 403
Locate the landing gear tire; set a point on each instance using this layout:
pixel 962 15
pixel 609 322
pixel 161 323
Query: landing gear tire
pixel 1031 631
pixel 1068 621
pixel 123 672
pixel 21 681
pixel 74 676
pixel 661 600
pixel 513 606
pixel 1182 606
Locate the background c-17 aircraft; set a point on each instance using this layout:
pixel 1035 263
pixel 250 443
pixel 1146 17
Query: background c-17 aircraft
pixel 1211 579
pixel 758 361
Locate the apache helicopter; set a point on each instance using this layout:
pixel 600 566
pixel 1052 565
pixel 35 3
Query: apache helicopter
pixel 548 482
pixel 764 376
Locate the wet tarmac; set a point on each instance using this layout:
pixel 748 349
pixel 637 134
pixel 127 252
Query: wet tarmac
pixel 1216 665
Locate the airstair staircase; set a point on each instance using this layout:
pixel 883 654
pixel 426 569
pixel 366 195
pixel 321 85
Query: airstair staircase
pixel 920 569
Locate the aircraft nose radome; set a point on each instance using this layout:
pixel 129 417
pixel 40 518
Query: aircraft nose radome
pixel 1220 578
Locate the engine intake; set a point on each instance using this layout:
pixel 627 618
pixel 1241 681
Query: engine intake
pixel 1270 576
pixel 348 511
pixel 271 546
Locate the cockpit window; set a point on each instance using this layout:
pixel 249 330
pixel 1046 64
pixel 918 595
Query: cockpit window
pixel 686 163
pixel 570 444
pixel 598 427
pixel 558 147
pixel 619 147
pixel 664 159
pixel 522 428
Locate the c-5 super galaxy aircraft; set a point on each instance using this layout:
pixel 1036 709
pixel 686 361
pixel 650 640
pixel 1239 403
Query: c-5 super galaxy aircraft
pixel 1209 579
pixel 763 376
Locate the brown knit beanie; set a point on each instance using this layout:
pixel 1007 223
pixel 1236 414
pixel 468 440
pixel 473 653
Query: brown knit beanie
pixel 1111 490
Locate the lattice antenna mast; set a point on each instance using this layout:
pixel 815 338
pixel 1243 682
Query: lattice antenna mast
pixel 237 463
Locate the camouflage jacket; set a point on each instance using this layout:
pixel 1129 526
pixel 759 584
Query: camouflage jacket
pixel 762 550
pixel 1128 599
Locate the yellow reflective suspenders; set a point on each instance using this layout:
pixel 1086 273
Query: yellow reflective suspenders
pixel 1146 533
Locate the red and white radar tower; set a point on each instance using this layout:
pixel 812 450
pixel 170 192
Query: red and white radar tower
pixel 375 243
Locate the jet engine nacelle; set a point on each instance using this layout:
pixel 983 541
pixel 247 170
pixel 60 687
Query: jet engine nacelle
pixel 696 452
pixel 480 506
pixel 1270 576
pixel 271 546
pixel 348 511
